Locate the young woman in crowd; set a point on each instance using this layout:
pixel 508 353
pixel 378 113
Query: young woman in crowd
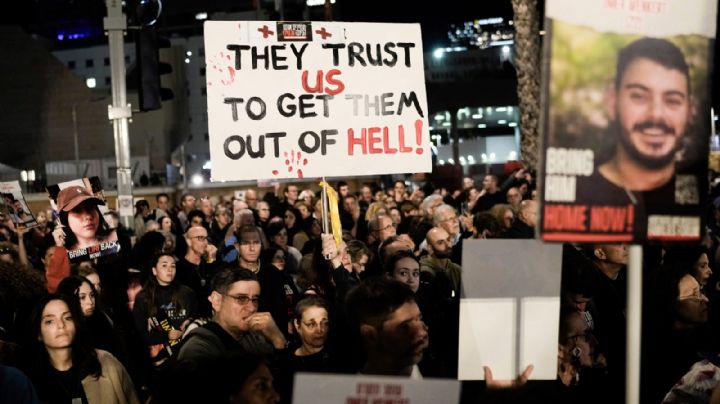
pixel 277 235
pixel 99 325
pixel 404 267
pixel 63 365
pixel 293 222
pixel 360 256
pixel 276 257
pixel 163 309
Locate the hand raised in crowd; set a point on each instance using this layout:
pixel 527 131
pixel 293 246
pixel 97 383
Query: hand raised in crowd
pixel 417 194
pixel 263 323
pixel 210 253
pixel 59 235
pixel 407 240
pixel 20 230
pixel 503 384
pixel 330 250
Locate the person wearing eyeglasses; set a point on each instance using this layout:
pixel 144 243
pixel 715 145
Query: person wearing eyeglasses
pixel 580 363
pixel 236 325
pixel 310 351
pixel 198 265
pixel 683 330
pixel 163 309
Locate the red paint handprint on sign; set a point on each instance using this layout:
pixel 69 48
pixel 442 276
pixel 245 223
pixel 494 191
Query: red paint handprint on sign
pixel 222 65
pixel 293 161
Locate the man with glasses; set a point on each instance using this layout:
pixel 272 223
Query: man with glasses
pixel 236 325
pixel 196 268
pixel 446 217
pixel 382 227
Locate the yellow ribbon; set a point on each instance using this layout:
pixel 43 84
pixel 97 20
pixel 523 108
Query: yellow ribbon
pixel 335 225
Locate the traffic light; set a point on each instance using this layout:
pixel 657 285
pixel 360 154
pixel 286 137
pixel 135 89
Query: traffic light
pixel 150 68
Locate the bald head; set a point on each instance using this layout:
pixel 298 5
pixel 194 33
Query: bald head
pixel 528 212
pixel 251 198
pixel 439 243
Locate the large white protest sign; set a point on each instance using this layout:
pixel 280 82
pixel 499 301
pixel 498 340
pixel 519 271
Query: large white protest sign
pixel 362 389
pixel 510 309
pixel 293 100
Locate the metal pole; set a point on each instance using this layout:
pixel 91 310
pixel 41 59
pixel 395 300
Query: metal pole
pixel 75 140
pixel 119 112
pixel 634 324
pixel 183 161
pixel 326 227
pixel 712 122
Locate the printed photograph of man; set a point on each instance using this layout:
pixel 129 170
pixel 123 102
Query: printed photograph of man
pixel 650 108
pixel 627 135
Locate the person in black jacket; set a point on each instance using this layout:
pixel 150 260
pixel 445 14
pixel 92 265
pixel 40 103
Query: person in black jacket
pixel 163 309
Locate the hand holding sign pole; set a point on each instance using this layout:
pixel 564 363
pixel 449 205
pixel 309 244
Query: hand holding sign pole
pixel 330 202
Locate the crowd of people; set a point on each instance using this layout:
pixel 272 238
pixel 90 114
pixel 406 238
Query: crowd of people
pixel 224 299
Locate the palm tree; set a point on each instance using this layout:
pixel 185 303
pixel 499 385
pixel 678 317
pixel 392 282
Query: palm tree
pixel 527 56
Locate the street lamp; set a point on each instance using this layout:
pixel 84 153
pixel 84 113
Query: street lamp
pixel 27 176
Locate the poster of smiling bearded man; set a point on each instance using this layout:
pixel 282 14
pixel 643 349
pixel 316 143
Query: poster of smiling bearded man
pixel 626 120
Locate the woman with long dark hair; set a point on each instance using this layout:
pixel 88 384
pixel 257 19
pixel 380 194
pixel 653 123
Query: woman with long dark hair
pixel 64 367
pixel 163 309
pixel 277 234
pixel 276 257
pixel 98 324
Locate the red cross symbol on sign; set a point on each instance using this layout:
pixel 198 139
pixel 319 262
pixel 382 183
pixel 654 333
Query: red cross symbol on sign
pixel 265 31
pixel 324 34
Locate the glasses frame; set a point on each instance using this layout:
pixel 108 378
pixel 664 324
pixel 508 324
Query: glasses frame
pixel 243 300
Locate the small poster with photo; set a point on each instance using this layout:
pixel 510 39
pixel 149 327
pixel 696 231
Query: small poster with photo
pixel 80 210
pixel 15 206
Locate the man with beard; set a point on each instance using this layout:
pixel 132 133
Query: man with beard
pixel 650 109
pixel 439 296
